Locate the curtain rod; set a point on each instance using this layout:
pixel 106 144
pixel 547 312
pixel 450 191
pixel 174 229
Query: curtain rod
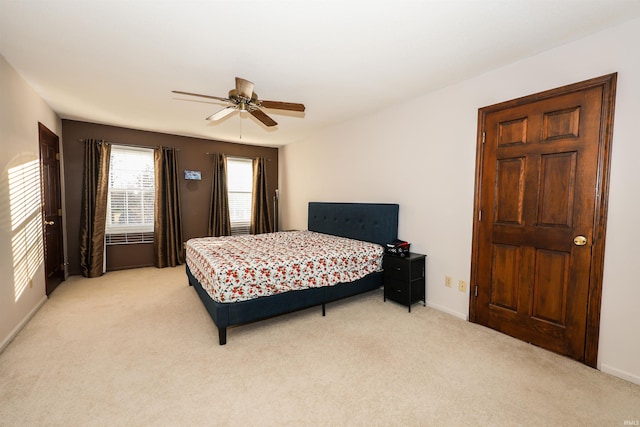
pixel 268 160
pixel 130 145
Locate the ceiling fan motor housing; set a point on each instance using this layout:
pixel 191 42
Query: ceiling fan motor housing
pixel 237 98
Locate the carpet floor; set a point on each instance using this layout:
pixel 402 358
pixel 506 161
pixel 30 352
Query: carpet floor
pixel 137 348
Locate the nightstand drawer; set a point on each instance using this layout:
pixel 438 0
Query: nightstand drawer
pixel 396 268
pixel 402 268
pixel 397 290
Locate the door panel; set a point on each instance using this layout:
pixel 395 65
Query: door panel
pixel 550 287
pixel 557 176
pixel 504 287
pixel 539 184
pixel 509 191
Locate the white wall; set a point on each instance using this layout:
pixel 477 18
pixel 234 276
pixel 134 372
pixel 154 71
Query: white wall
pixel 20 216
pixel 421 154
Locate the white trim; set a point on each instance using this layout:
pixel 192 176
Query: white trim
pixel 141 190
pixel 22 324
pixel 124 229
pixel 447 310
pixel 603 367
pixel 239 158
pixel 620 374
pixel 240 196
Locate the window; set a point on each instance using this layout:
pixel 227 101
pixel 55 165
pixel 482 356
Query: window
pixel 240 186
pixel 131 196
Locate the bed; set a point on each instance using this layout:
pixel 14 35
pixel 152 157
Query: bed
pixel 367 222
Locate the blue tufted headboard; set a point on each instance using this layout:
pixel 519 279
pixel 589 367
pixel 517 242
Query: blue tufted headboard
pixel 371 222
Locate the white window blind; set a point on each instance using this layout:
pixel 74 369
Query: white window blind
pixel 240 188
pixel 131 195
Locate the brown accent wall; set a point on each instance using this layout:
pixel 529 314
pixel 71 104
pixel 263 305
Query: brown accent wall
pixel 195 195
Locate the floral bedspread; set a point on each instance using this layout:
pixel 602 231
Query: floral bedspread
pixel 241 268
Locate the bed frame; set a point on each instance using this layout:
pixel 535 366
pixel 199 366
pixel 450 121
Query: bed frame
pixel 371 222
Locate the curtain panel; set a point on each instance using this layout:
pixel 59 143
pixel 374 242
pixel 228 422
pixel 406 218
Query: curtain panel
pixel 95 187
pixel 167 227
pixel 260 218
pixel 219 218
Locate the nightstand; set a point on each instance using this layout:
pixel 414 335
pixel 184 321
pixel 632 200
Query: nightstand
pixel 404 278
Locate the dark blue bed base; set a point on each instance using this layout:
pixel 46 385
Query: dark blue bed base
pixel 371 222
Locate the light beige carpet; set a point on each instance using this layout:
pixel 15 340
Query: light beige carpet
pixel 137 348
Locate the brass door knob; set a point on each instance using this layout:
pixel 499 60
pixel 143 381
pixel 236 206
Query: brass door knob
pixel 579 240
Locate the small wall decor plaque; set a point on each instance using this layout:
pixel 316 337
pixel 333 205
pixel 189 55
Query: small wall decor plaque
pixel 195 175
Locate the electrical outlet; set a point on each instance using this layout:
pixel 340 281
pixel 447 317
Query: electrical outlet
pixel 448 281
pixel 462 286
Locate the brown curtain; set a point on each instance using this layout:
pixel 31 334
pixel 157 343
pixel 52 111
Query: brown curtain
pixel 95 185
pixel 219 221
pixel 167 217
pixel 260 219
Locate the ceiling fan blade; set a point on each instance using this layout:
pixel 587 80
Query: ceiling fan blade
pixel 260 115
pixel 203 96
pixel 290 106
pixel 222 113
pixel 244 87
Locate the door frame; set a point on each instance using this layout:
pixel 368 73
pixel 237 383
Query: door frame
pixel 608 84
pixel 49 288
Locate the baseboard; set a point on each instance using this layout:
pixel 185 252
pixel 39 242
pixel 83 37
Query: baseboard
pixel 22 324
pixel 620 374
pixel 462 316
pixel 603 367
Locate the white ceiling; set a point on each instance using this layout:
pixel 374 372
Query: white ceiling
pixel 116 62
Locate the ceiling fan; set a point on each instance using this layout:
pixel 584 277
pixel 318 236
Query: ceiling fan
pixel 243 98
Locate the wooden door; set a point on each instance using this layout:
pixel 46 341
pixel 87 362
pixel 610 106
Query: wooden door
pixel 51 208
pixel 541 192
